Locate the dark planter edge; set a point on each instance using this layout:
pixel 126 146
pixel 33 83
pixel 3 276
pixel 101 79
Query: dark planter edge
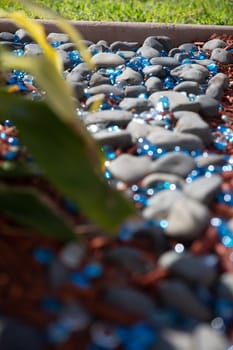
pixel 132 31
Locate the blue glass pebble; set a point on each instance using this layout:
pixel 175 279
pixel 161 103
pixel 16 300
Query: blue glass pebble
pixel 140 336
pixel 107 174
pixel 223 308
pixel 169 83
pixel 57 333
pixel 18 52
pixel 13 141
pixel 213 68
pixel 10 155
pixel 79 280
pixel 43 255
pixel 109 152
pixel 7 123
pixel 51 304
pixel 3 136
pixel 93 270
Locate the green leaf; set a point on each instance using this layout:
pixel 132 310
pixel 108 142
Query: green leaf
pixel 26 207
pixel 64 158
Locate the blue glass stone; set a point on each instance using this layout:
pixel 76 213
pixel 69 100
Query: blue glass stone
pixel 186 61
pixel 93 270
pixel 163 104
pixel 79 280
pixel 163 53
pixel 213 68
pixel 57 333
pixel 140 199
pixel 3 136
pixel 16 38
pixel 163 224
pixel 109 152
pixel 201 55
pixel 107 174
pixel 10 155
pixel 55 44
pixel 7 123
pixel 19 74
pixel 13 141
pixel 140 336
pixel 18 52
pixel 50 304
pixel 43 255
pixel 220 144
pixel 113 128
pixel 169 83
pixel 70 206
pixel 223 308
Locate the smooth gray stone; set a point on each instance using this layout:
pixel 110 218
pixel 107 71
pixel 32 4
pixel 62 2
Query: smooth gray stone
pixel 98 48
pixel 168 140
pixel 153 84
pixel 148 52
pixel 222 56
pixel 66 61
pixel 230 224
pixel 204 62
pixel 75 77
pixel 164 40
pixel 187 219
pixel 110 117
pixel 23 35
pixel 191 268
pixel 173 163
pixel 134 90
pixel 216 86
pixel 124 45
pixel 187 47
pixel 139 128
pixel 67 47
pixel 11 44
pixel 130 168
pixel 224 288
pixel 83 68
pixel 173 339
pixel 169 62
pixel 126 54
pixel 192 123
pixel 181 56
pixel 6 36
pixel 98 98
pixel 191 87
pixel 32 50
pixel 176 294
pixel 129 77
pixel 178 101
pixel 76 315
pixel 153 179
pixel 214 44
pixel 154 70
pixel 120 138
pixel 191 72
pixel 174 51
pixel 72 255
pixel 106 89
pixel 106 60
pixel 211 159
pixel 205 338
pixel 128 258
pixel 209 106
pixel 78 89
pixel 58 37
pixel 215 91
pixel 155 236
pixel 58 274
pixel 203 188
pixel 152 41
pixel 135 104
pixel 160 204
pixel 98 78
pixel 132 300
pixel 19 335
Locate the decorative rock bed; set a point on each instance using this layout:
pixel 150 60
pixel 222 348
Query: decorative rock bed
pixel 166 281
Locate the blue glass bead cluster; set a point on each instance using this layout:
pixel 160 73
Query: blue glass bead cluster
pixel 10 144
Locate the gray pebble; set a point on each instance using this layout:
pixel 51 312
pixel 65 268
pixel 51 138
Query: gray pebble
pixel 131 300
pixel 58 274
pixel 153 84
pixel 205 337
pixel 192 123
pixel 154 70
pixel 230 224
pixel 120 138
pixel 203 188
pixel 181 56
pixel 135 104
pixel 106 89
pixel 66 61
pixel 11 45
pixel 130 168
pixel 204 62
pixel 110 117
pixel 134 90
pixel 216 86
pixel 211 159
pixel 173 163
pixel 126 54
pixel 214 44
pixel 67 47
pixel 173 339
pixel 124 45
pixel 23 35
pixel 191 72
pixel 187 47
pixel 178 101
pixel 98 78
pixel 191 87
pixel 76 316
pixel 209 106
pixel 168 140
pixel 72 254
pixel 101 47
pixel 58 37
pixel 152 41
pixel 189 267
pixel 32 50
pixel 166 41
pixel 6 36
pixel 148 52
pixel 75 77
pixel 222 56
pixel 174 51
pixel 215 91
pixel 97 99
pixel 160 204
pixel 153 179
pixel 169 62
pixel 224 286
pixel 187 219
pixel 106 60
pixel 138 129
pixel 176 294
pixel 129 77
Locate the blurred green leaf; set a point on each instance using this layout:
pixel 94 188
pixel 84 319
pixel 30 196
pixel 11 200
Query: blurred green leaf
pixel 28 208
pixel 63 156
